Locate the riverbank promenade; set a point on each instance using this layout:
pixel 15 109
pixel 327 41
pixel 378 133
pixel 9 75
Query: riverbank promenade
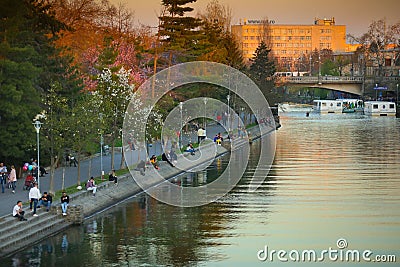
pixel 89 167
pixel 15 235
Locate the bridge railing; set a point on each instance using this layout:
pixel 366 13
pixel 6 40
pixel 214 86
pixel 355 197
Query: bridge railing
pixel 323 79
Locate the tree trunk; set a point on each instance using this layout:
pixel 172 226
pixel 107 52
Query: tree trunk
pixel 90 167
pixel 79 171
pixel 112 155
pixel 122 164
pixel 53 165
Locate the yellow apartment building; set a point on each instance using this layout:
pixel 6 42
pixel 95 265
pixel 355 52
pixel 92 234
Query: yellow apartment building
pixel 289 43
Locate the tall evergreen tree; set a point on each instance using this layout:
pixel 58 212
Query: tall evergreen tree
pixel 262 68
pixel 184 41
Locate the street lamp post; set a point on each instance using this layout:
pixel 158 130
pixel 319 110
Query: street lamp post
pixel 397 94
pixel 319 64
pixel 101 146
pixel 205 114
pixel 37 124
pixel 180 130
pixel 319 69
pixel 228 97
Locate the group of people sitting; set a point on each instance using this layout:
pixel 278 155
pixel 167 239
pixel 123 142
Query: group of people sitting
pixel 37 200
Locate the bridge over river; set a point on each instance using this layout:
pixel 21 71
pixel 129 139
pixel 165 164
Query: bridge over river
pixel 348 84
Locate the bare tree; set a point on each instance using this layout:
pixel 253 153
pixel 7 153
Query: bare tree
pixel 376 40
pixel 118 19
pixel 218 15
pixel 265 33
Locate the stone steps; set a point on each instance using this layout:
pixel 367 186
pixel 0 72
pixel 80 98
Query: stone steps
pixel 28 232
pixel 39 232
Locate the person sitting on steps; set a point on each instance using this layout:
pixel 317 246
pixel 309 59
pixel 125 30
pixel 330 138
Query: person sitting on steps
pixel 153 160
pixel 18 212
pixel 141 167
pixel 190 149
pixel 45 200
pixel 91 186
pixel 113 177
pixel 64 203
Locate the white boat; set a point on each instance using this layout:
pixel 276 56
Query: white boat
pixel 286 107
pixel 352 105
pixel 327 106
pixel 380 108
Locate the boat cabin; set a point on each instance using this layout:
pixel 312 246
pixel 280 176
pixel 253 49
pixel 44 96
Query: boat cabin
pixel 328 106
pixel 380 108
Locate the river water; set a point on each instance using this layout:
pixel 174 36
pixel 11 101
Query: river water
pixel 334 177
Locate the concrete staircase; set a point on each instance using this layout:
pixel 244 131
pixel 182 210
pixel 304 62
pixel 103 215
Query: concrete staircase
pixel 15 234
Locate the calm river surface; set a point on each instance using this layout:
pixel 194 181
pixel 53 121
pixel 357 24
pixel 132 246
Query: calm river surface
pixel 334 176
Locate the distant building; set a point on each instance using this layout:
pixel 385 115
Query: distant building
pixel 290 43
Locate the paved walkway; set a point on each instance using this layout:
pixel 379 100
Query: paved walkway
pixel 8 199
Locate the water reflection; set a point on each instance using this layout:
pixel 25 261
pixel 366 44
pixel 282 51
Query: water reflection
pixel 333 176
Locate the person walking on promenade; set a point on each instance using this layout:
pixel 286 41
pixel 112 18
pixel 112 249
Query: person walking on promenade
pixel 46 201
pixel 3 175
pixel 201 135
pixel 64 203
pixel 18 212
pixel 72 160
pixel 34 196
pixel 13 178
pixel 91 186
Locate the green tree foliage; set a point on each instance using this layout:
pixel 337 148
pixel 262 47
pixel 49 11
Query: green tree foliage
pixel 223 47
pixel 262 68
pixel 28 64
pixel 55 118
pixel 85 127
pixel 329 68
pixel 183 40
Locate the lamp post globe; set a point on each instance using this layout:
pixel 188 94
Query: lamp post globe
pixel 37 124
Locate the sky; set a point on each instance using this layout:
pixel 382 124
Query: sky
pixel 355 14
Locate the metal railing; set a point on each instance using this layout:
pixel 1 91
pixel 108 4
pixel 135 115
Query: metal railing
pixel 325 79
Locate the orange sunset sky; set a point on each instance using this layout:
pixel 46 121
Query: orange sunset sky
pixel 355 14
